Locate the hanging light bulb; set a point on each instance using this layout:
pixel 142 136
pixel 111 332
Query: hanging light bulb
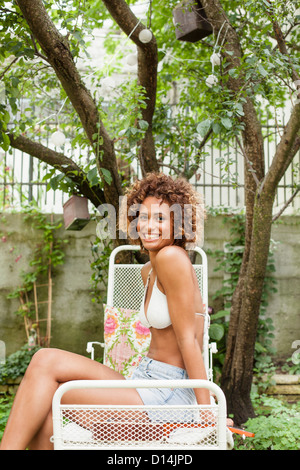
pixel 58 138
pixel 131 59
pixel 145 36
pixel 211 80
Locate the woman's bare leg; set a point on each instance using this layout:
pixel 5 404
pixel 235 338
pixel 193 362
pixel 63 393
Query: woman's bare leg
pixel 31 411
pixel 41 440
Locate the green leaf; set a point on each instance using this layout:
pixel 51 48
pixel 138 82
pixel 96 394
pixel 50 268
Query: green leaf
pixel 220 314
pixel 5 141
pixel 203 127
pixel 54 182
pixel 226 123
pixel 216 127
pixel 143 125
pixel 239 109
pixel 92 176
pixel 216 331
pixel 262 70
pixel 107 175
pixel 133 130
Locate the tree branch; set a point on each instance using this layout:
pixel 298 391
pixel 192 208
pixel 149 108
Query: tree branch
pixel 286 149
pixel 37 53
pixel 280 38
pixel 58 54
pixel 252 135
pixel 62 163
pixel 252 138
pixel 8 67
pixel 286 205
pixel 57 50
pixel 249 164
pixel 147 75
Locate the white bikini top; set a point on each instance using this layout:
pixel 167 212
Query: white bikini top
pixel 157 313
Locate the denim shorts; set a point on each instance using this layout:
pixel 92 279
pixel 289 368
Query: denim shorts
pixel 150 369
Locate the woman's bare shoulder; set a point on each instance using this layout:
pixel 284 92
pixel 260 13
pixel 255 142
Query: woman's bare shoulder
pixel 172 259
pixel 172 252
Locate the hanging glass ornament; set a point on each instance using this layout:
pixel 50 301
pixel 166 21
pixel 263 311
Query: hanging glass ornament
pixel 145 36
pixel 131 59
pixel 215 58
pixel 211 80
pixel 58 138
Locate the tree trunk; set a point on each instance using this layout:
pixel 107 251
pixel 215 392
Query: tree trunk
pixel 260 190
pixel 237 372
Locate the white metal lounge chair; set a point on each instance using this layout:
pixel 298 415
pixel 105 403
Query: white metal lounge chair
pixel 142 427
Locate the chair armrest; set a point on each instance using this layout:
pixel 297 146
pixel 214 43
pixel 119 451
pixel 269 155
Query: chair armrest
pixel 215 415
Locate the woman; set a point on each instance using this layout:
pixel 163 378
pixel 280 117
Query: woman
pixel 172 307
pixel 167 217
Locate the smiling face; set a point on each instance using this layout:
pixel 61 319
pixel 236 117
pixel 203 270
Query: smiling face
pixel 155 226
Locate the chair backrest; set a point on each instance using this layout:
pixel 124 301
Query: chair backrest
pixel 126 289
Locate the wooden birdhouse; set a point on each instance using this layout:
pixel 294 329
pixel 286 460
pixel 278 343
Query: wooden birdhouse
pixel 191 22
pixel 76 214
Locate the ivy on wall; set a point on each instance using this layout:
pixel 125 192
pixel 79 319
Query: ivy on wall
pixel 36 281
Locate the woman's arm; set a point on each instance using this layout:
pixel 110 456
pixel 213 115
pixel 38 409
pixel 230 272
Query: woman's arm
pixel 174 271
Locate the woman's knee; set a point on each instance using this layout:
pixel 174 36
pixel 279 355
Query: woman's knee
pixel 43 361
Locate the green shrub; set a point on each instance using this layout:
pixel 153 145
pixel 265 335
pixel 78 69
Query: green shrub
pixel 5 406
pixel 276 427
pixel 17 363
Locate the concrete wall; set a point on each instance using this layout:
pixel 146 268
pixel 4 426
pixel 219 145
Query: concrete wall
pixel 76 320
pixel 283 306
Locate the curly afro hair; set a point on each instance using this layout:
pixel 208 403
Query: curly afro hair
pixel 187 208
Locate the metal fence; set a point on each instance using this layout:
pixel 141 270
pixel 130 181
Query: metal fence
pixel 22 178
pixel 21 182
pixel 226 187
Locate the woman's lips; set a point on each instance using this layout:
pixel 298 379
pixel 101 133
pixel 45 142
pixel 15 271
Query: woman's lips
pixel 150 237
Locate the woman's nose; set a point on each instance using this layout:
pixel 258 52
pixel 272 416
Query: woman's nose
pixel 151 224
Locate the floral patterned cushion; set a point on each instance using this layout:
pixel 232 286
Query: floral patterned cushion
pixel 126 339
